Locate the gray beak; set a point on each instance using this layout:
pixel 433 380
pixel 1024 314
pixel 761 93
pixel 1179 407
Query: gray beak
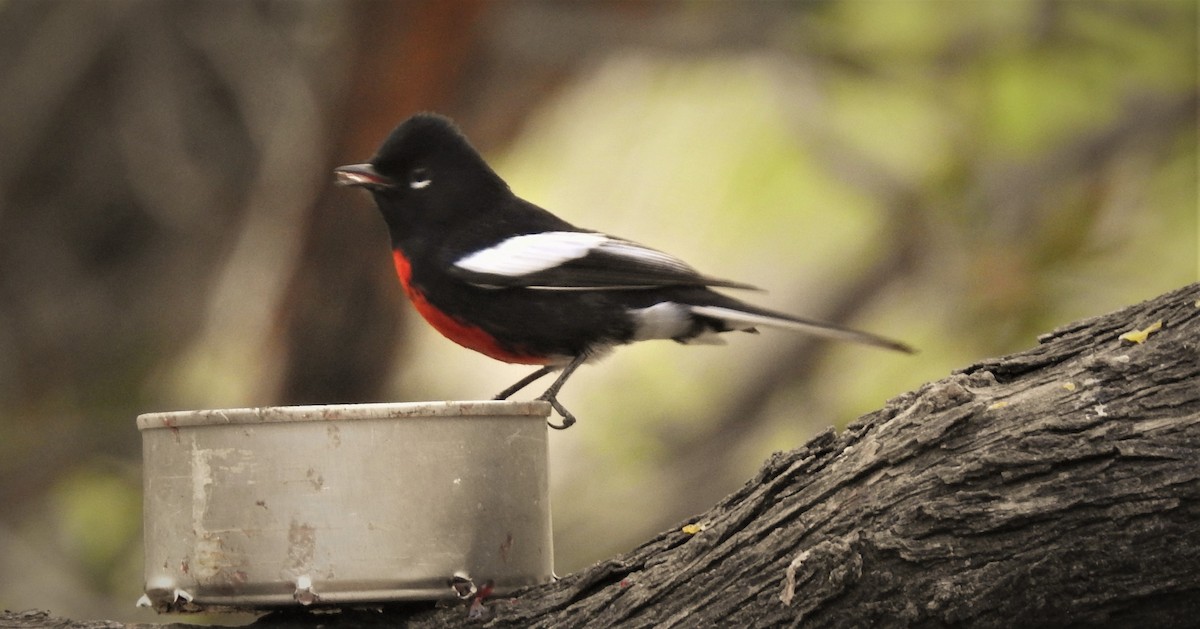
pixel 362 175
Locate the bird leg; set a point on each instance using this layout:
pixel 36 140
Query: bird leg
pixel 523 382
pixel 551 394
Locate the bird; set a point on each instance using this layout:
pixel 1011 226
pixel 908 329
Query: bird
pixel 502 276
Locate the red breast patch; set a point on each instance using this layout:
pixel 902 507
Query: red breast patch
pixel 465 334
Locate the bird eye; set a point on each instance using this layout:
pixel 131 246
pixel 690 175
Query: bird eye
pixel 419 178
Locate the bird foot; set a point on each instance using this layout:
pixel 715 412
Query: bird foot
pixel 568 418
pixel 551 394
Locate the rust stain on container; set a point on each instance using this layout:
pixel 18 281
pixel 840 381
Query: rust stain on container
pixel 302 542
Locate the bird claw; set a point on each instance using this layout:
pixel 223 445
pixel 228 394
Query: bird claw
pixel 568 418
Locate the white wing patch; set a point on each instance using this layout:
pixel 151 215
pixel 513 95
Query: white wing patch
pixel 522 255
pixel 530 253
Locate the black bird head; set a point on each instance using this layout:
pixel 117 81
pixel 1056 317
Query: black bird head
pixel 427 172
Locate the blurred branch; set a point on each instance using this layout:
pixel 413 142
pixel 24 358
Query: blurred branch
pixel 175 136
pixel 42 66
pixel 287 123
pixel 341 325
pixel 1015 194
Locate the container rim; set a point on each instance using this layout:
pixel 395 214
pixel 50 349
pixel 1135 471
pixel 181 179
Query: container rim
pixel 343 412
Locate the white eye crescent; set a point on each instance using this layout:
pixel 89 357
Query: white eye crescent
pixel 420 178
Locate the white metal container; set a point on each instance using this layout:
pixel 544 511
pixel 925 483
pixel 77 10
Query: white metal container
pixel 344 504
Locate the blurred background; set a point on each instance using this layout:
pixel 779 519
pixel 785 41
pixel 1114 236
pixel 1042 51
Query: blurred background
pixel 959 175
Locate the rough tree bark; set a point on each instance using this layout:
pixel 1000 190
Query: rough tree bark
pixel 1059 486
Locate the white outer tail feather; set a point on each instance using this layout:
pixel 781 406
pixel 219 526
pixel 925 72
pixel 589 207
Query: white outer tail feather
pixel 741 320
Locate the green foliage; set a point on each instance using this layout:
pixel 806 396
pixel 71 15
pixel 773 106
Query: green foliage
pixel 98 509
